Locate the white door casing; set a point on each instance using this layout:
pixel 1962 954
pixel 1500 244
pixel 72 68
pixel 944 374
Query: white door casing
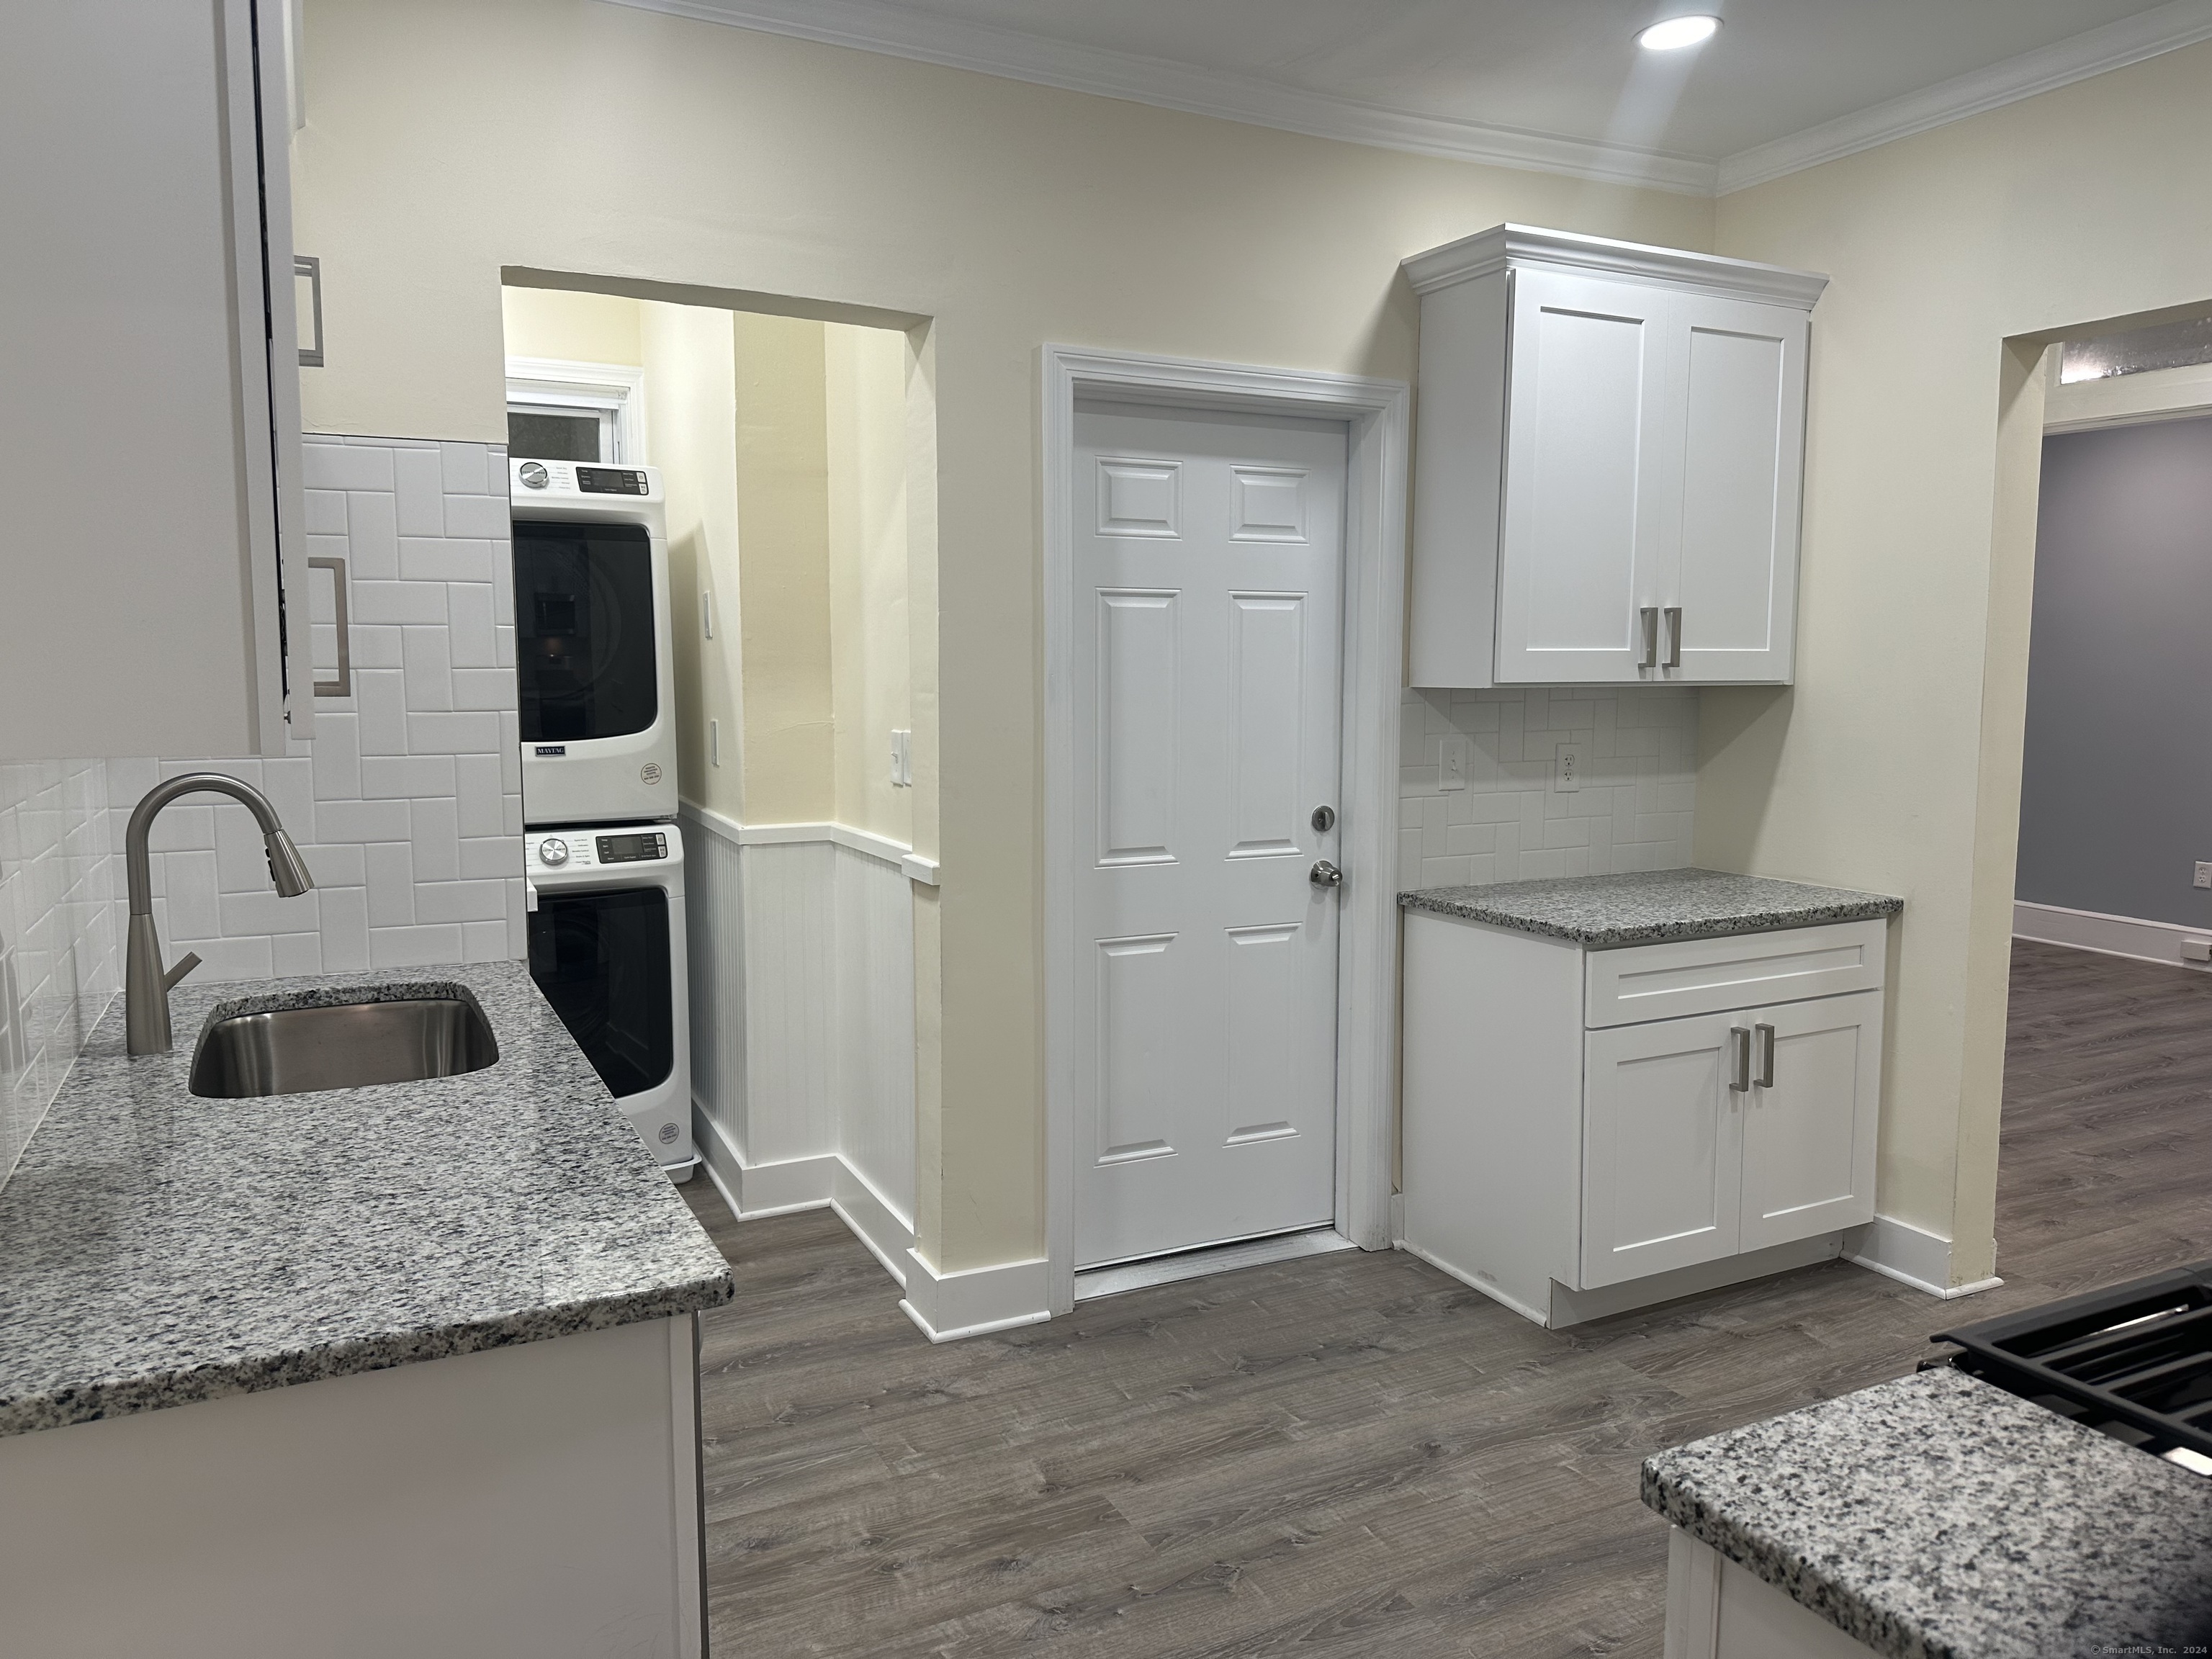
pixel 1208 551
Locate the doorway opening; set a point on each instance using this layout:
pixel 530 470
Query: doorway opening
pixel 790 448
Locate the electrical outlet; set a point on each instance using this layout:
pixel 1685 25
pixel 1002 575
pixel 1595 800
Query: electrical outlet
pixel 1567 769
pixel 2204 874
pixel 1455 757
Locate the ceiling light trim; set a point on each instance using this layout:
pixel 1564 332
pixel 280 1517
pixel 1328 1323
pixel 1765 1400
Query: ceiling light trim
pixel 2130 40
pixel 1163 84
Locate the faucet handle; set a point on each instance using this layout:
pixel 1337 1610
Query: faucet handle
pixel 186 963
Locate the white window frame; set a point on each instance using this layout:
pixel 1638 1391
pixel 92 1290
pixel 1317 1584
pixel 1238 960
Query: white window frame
pixel 552 386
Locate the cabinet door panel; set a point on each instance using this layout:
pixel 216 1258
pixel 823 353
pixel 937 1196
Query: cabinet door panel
pixel 1586 478
pixel 1660 1152
pixel 1809 1139
pixel 1741 371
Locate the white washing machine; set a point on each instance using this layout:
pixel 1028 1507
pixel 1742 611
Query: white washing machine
pixel 606 947
pixel 594 666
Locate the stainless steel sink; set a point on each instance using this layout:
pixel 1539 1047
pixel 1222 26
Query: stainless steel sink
pixel 347 1045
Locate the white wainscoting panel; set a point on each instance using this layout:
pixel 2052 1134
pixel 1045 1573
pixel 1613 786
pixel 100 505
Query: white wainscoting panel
pixel 874 1051
pixel 790 1002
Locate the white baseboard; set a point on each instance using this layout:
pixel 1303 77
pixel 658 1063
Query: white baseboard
pixel 1910 1255
pixel 949 1306
pixel 2111 936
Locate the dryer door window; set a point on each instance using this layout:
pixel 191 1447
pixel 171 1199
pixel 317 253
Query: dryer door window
pixel 584 630
pixel 602 960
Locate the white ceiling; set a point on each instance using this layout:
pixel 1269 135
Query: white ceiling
pixel 1554 84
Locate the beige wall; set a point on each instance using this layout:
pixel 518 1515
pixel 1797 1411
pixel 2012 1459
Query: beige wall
pixel 689 356
pixel 1894 762
pixel 866 408
pixel 1011 215
pixel 577 328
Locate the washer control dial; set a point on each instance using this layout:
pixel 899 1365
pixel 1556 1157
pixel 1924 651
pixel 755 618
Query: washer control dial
pixel 553 850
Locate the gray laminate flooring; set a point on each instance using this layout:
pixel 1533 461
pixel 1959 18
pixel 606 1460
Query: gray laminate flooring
pixel 1353 1454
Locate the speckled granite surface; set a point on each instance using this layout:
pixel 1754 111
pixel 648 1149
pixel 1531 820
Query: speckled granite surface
pixel 157 1248
pixel 1604 911
pixel 1938 1517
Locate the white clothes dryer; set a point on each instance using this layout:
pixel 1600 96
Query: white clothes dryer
pixel 607 948
pixel 595 667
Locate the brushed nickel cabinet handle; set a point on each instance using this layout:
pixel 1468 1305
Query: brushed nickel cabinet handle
pixel 343 685
pixel 1762 1038
pixel 1673 636
pixel 1650 617
pixel 1739 1059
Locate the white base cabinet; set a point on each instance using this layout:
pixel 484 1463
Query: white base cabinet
pixel 1556 1145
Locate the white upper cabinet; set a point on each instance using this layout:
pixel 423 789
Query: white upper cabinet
pixel 150 441
pixel 1610 463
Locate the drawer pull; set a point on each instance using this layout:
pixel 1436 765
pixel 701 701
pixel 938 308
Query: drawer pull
pixel 1763 1039
pixel 1739 1059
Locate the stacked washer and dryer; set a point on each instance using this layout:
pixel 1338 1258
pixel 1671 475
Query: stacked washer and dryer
pixel 602 855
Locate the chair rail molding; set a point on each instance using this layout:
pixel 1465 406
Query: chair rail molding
pixel 1375 413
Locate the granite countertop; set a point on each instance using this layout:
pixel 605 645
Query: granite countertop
pixel 1605 911
pixel 1940 1517
pixel 157 1248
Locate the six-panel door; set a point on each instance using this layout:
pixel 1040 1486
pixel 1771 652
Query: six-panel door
pixel 1660 1148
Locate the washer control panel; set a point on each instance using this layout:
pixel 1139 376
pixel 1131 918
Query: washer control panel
pixel 553 850
pixel 625 849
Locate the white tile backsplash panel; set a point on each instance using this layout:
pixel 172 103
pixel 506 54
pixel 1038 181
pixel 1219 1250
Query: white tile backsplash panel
pixel 60 950
pixel 407 803
pixel 1635 810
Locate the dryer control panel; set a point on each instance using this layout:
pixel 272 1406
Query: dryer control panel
pixel 623 850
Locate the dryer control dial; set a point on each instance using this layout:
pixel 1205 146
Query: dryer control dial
pixel 553 850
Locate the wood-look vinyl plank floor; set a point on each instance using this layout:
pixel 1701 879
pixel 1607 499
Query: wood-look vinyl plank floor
pixel 1353 1455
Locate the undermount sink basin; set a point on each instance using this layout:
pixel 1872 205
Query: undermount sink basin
pixel 346 1045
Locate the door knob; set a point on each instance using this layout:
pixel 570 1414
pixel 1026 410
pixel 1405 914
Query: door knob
pixel 1325 874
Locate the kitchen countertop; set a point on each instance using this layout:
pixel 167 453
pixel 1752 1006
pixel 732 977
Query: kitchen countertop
pixel 1937 1516
pixel 1603 912
pixel 157 1248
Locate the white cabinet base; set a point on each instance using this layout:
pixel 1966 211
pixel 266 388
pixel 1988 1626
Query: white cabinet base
pixel 536 1502
pixel 1554 1305
pixel 1719 1610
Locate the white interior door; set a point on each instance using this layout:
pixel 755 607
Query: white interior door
pixel 1206 661
pixel 1809 1136
pixel 1661 1147
pixel 1591 441
pixel 1742 370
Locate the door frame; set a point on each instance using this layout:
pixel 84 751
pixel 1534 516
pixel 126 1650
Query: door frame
pixel 1373 413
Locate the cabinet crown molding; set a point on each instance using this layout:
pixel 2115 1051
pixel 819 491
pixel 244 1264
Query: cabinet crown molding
pixel 1502 247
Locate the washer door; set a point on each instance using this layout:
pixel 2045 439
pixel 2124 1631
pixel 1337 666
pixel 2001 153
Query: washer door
pixel 584 630
pixel 602 960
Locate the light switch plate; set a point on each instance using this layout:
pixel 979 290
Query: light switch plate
pixel 1567 769
pixel 902 760
pixel 1453 772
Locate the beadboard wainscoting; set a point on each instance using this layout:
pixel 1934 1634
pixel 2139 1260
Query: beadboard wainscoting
pixel 802 984
pixel 60 946
pixel 1633 809
pixel 407 803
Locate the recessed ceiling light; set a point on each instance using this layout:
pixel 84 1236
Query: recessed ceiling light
pixel 1676 33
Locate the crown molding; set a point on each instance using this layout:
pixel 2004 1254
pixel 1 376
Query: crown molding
pixel 2148 34
pixel 988 50
pixel 1493 249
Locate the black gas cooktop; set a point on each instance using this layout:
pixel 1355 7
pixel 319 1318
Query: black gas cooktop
pixel 2134 1361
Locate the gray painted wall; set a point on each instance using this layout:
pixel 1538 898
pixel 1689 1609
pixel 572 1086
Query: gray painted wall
pixel 2116 796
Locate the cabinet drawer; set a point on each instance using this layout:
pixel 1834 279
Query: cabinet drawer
pixel 1708 976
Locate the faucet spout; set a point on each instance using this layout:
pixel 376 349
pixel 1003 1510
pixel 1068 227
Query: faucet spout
pixel 145 983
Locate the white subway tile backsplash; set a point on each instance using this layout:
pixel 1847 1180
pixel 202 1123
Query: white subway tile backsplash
pixel 419 478
pixel 399 602
pixel 327 465
pixel 471 625
pixel 468 472
pixel 372 536
pixel 476 515
pixel 1635 809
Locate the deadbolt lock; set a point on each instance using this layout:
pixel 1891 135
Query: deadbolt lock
pixel 1324 819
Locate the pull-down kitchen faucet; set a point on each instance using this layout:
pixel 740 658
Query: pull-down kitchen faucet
pixel 145 984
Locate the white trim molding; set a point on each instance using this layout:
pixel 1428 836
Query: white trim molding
pixel 2107 935
pixel 900 30
pixel 1910 1255
pixel 2161 394
pixel 896 854
pixel 2130 40
pixel 946 1307
pixel 1375 413
pixel 753 1192
pixel 616 390
pixel 1493 249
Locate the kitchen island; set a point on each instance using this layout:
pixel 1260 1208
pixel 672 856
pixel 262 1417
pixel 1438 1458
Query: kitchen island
pixel 1935 1517
pixel 402 1368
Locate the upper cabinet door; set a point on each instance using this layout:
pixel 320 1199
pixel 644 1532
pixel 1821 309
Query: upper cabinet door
pixel 1590 447
pixel 150 447
pixel 1739 375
